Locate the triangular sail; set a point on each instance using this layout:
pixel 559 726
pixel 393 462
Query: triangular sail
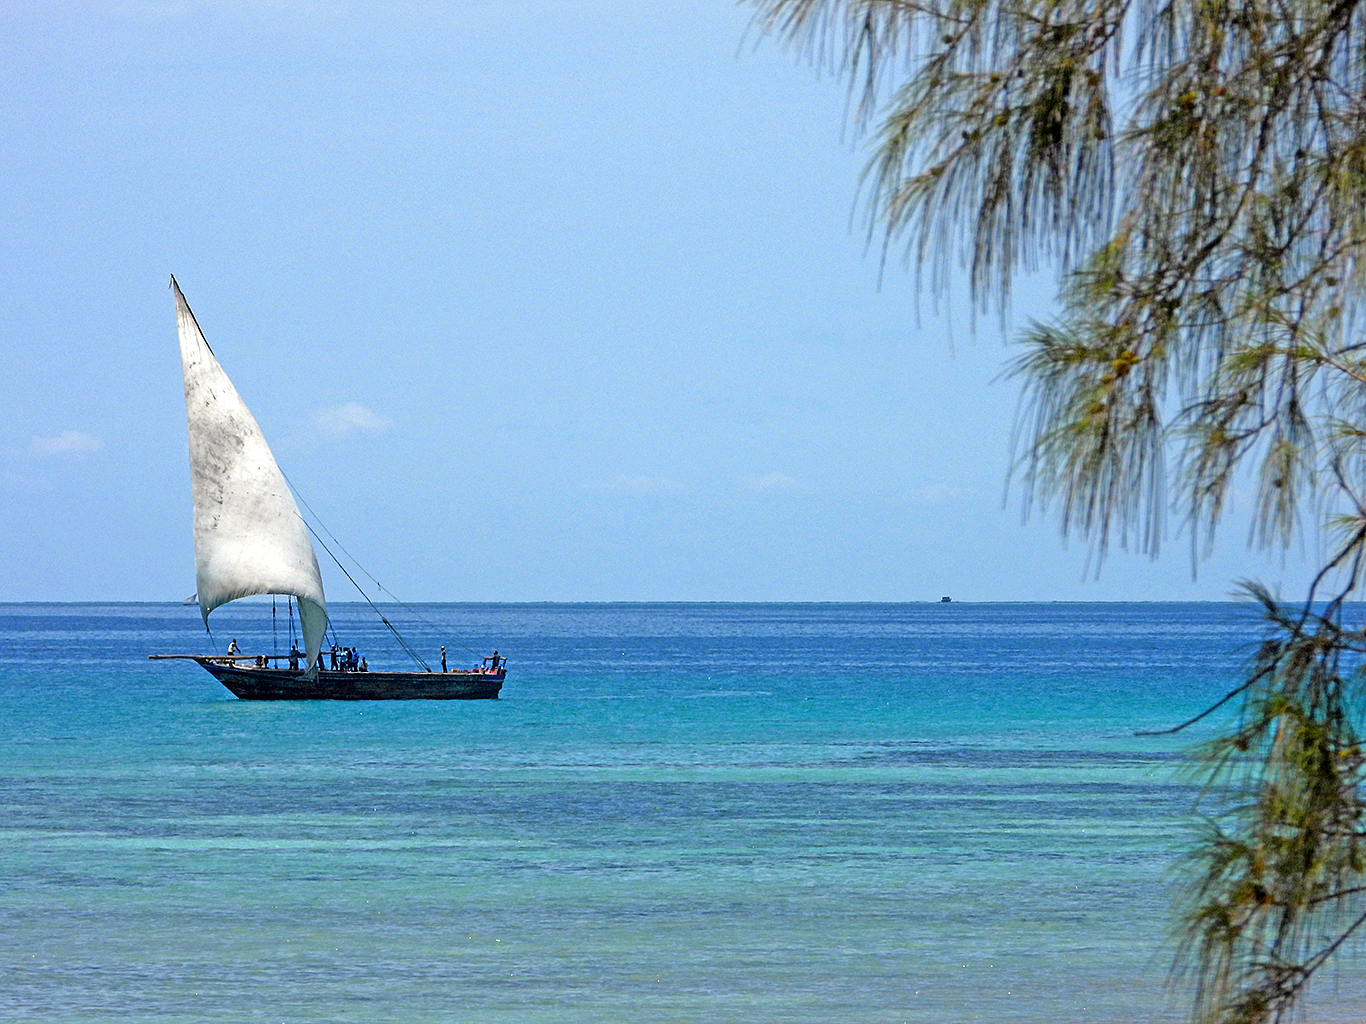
pixel 248 535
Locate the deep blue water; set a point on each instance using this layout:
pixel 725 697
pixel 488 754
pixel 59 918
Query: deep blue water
pixel 691 813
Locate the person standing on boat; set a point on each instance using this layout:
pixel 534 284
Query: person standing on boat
pixel 294 658
pixel 443 660
pixel 233 648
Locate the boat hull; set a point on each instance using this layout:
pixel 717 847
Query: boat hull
pixel 285 684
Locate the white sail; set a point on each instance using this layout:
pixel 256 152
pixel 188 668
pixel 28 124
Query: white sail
pixel 248 535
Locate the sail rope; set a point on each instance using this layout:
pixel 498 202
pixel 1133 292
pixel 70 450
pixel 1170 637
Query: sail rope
pixel 397 635
pixel 394 597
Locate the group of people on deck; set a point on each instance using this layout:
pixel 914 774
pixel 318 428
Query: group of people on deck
pixel 346 659
pixel 489 665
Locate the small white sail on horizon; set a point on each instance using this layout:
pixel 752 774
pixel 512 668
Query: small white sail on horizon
pixel 249 537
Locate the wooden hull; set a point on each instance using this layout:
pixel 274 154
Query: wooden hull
pixel 284 684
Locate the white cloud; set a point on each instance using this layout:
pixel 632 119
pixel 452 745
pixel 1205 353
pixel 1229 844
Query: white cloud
pixel 770 483
pixel 648 485
pixel 338 422
pixel 69 442
pixel 11 482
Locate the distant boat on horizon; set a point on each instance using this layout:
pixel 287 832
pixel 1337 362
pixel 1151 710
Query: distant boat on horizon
pixel 249 538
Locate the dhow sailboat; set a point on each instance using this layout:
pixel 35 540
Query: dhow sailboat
pixel 250 539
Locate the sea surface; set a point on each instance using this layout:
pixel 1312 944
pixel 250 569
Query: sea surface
pixel 676 813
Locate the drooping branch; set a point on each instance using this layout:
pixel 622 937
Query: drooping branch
pixel 1200 192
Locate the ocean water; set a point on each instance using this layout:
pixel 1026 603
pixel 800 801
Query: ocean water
pixel 677 813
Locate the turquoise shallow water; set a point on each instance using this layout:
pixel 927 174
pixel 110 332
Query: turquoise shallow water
pixel 805 813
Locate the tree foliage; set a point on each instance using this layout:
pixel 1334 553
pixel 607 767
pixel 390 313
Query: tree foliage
pixel 1195 172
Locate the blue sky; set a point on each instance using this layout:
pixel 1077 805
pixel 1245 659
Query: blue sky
pixel 533 302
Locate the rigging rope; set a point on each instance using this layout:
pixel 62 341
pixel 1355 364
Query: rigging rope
pixel 397 635
pixel 412 611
